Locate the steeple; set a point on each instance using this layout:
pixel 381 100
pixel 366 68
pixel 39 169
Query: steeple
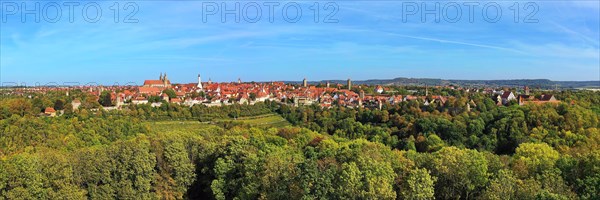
pixel 160 77
pixel 165 79
pixel 349 84
pixel 304 83
pixel 199 83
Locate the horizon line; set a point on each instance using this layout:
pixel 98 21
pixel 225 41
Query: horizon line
pixel 136 83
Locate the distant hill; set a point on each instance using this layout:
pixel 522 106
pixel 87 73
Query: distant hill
pixel 533 83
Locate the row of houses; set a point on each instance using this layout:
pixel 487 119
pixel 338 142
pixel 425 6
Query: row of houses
pixel 217 94
pixel 505 97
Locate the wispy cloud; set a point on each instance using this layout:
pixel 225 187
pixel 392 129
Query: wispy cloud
pixel 441 40
pixel 579 35
pixel 461 43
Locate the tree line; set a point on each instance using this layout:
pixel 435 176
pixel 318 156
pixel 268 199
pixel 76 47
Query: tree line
pixel 290 163
pixel 403 151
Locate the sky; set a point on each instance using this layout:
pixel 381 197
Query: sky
pixel 556 40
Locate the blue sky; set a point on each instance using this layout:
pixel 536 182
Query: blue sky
pixel 371 40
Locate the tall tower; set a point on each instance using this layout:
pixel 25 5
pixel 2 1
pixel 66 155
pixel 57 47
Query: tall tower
pixel 526 90
pixel 349 84
pixel 426 90
pixel 199 83
pixel 239 80
pixel 304 83
pixel 327 84
pixel 119 101
pixel 160 77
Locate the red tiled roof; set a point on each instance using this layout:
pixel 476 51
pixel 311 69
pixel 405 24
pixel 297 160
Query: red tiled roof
pixel 49 110
pixel 153 82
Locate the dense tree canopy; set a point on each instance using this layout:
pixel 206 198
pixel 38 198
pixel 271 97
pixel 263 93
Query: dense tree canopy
pixel 403 151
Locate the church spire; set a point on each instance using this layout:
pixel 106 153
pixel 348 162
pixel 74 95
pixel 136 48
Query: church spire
pixel 199 82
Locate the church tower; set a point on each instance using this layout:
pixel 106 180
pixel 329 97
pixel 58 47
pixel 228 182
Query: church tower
pixel 199 86
pixel 160 77
pixel 304 83
pixel 349 84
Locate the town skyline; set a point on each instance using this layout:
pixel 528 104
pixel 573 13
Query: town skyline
pixel 155 92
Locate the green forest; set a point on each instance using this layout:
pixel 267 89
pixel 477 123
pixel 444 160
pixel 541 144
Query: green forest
pixel 465 148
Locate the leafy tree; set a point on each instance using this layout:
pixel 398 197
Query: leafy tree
pixel 59 105
pixel 503 186
pixel 434 143
pixel 21 178
pixel 134 169
pixel 105 99
pixel 21 107
pixel 351 183
pixel 59 176
pixel 587 175
pixel 154 99
pixel 420 185
pixel 536 158
pixel 461 173
pixel 175 168
pixel 171 93
pixel 510 129
pixel 410 144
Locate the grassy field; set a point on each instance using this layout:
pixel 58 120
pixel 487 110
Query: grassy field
pixel 268 120
pixel 168 126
